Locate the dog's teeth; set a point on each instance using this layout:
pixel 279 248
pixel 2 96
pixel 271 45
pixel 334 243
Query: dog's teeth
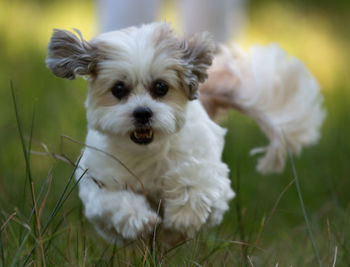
pixel 143 133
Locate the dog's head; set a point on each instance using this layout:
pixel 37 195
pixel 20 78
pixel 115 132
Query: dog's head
pixel 140 78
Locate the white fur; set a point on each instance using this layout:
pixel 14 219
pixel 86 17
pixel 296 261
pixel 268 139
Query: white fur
pixel 185 171
pixel 279 93
pixel 181 170
pixel 182 167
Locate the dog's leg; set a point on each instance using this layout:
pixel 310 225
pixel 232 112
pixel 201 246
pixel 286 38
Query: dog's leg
pixel 116 214
pixel 220 206
pixel 195 194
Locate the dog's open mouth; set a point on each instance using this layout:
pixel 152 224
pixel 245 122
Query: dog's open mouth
pixel 142 136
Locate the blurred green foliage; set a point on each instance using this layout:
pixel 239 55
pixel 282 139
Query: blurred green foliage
pixel 326 5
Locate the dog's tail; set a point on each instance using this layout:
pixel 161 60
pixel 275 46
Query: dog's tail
pixel 277 91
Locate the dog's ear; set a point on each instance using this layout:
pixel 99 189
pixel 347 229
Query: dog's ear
pixel 198 53
pixel 69 55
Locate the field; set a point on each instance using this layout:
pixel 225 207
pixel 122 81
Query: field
pixel 41 216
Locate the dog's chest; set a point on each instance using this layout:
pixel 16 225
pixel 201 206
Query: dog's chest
pixel 132 173
pixel 149 174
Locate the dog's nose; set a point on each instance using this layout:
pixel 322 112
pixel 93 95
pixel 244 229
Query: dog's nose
pixel 142 114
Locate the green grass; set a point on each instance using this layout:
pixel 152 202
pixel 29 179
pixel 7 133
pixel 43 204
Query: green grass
pixel 260 228
pixel 41 216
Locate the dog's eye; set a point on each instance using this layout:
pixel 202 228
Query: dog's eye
pixel 159 88
pixel 120 90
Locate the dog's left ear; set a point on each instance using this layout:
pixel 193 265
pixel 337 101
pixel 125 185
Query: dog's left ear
pixel 69 55
pixel 198 53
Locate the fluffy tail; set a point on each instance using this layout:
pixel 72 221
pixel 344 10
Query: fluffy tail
pixel 277 91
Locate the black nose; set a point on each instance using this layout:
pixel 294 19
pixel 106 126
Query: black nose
pixel 142 114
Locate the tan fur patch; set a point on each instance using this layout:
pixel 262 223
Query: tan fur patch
pixel 107 99
pixel 217 91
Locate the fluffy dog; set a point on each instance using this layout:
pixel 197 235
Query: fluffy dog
pixel 154 142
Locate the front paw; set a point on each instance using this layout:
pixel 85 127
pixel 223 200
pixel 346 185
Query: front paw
pixel 186 219
pixel 134 225
pixel 215 218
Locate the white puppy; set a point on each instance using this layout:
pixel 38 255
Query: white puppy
pixel 153 143
pixel 140 81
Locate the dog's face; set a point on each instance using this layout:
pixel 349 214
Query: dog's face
pixel 140 79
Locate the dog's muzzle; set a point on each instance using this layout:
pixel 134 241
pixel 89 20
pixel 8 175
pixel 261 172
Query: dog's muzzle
pixel 143 134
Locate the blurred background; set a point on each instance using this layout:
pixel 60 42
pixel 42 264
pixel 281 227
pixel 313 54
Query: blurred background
pixel 316 31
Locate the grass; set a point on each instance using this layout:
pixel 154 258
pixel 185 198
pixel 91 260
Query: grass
pixel 41 217
pixel 44 238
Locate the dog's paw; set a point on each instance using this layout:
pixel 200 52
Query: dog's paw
pixel 215 218
pixel 185 219
pixel 220 206
pixel 132 226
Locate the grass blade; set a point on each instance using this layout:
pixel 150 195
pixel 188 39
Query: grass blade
pixel 19 250
pixel 297 184
pixel 63 197
pixel 2 250
pixel 20 131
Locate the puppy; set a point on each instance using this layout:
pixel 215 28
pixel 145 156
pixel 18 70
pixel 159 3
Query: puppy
pixel 150 142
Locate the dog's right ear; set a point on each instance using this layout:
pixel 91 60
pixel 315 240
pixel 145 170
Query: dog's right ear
pixel 69 55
